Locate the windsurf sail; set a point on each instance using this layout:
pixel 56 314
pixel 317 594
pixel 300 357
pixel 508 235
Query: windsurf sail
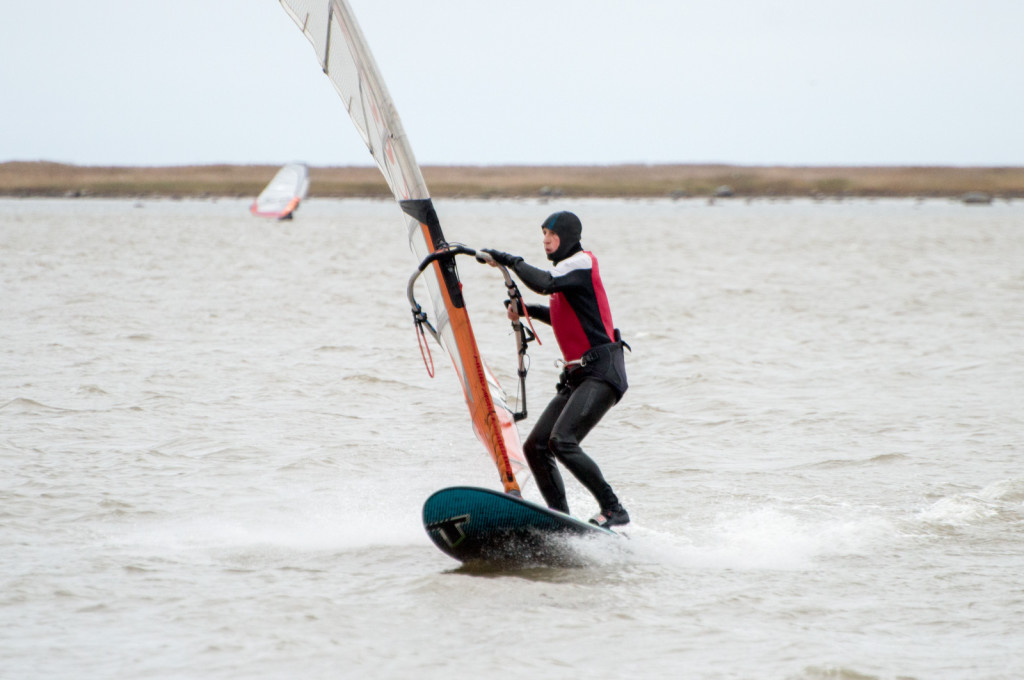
pixel 282 195
pixel 345 58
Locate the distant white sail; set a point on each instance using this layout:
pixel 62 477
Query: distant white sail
pixel 284 193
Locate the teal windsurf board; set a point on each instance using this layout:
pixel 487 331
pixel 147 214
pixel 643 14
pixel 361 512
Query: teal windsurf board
pixel 473 524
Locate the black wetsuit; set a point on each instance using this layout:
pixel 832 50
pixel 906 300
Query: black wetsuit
pixel 582 323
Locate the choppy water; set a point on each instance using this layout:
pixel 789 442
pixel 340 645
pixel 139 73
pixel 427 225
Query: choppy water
pixel 216 434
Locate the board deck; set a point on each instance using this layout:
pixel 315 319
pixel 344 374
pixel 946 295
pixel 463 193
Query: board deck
pixel 473 524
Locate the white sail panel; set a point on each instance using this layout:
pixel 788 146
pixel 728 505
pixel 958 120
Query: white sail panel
pixel 340 48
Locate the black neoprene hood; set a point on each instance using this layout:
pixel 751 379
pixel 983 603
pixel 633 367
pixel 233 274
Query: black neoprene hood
pixel 569 229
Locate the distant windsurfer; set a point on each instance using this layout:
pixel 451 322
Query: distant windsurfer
pixel 594 376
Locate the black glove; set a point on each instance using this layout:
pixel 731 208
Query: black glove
pixel 519 306
pixel 503 258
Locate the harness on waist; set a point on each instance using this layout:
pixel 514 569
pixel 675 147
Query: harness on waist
pixel 606 363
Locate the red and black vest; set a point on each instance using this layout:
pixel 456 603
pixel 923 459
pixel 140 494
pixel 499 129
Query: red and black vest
pixel 579 313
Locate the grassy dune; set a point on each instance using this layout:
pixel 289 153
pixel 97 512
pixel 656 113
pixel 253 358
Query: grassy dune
pixel 54 179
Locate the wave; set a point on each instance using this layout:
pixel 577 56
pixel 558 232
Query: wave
pixel 338 348
pixel 832 673
pixel 881 459
pixel 368 379
pixel 25 405
pixel 998 502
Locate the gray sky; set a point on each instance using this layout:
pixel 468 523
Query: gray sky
pixel 792 82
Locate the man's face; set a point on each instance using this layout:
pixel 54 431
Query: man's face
pixel 551 241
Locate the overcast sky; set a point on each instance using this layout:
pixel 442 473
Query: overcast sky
pixel 792 82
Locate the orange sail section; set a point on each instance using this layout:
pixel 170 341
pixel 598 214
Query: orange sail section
pixel 493 420
pixel 345 57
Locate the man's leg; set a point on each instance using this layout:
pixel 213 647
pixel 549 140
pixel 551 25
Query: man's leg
pixel 584 409
pixel 538 454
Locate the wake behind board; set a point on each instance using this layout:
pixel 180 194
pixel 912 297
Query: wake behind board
pixel 473 524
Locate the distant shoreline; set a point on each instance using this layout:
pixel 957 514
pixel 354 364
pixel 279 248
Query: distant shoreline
pixel 46 179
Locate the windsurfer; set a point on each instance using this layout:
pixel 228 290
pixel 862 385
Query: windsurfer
pixel 594 375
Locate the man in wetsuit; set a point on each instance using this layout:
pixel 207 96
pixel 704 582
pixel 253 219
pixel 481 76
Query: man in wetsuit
pixel 594 378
